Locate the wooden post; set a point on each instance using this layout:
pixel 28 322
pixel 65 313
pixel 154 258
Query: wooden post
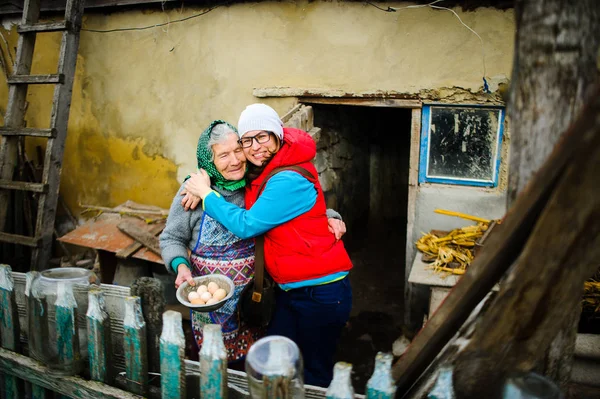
pixel 552 75
pixel 9 329
pixel 37 321
pixel 213 364
pixel 546 283
pixel 99 341
pixel 152 296
pixel 381 385
pixel 136 354
pixel 67 331
pixel 172 357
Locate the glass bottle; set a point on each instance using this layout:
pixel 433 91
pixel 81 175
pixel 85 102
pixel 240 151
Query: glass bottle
pixel 530 386
pixel 213 364
pixel 275 369
pixel 341 385
pixel 381 384
pixel 58 302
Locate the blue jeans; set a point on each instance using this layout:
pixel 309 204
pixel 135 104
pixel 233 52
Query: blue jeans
pixel 313 317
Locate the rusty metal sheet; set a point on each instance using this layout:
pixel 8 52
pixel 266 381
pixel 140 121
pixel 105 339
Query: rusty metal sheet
pixel 102 233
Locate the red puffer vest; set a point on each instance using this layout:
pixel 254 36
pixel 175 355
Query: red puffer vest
pixel 303 248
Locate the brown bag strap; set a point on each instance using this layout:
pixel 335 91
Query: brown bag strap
pixel 259 250
pixel 259 268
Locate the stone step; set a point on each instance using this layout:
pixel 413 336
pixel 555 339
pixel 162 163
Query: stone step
pixel 586 365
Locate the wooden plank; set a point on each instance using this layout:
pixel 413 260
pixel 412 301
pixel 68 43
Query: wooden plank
pixel 9 329
pixel 19 239
pixel 37 329
pixel 75 387
pixel 44 27
pixel 502 249
pixel 36 79
pixel 53 157
pixel 99 342
pixel 27 131
pixel 67 331
pixel 24 186
pixel 172 357
pixel 135 348
pixel 143 236
pixel 364 102
pixel 134 247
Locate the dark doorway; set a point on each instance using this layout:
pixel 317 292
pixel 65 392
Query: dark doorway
pixel 363 161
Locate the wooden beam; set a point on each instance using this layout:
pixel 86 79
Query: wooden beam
pixel 30 370
pixel 502 249
pixel 364 102
pixel 411 211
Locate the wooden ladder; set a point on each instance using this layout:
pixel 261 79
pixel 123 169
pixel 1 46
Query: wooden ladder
pixel 14 123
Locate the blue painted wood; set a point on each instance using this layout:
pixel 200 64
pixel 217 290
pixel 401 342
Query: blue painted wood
pixel 99 341
pixel 9 329
pixel 213 364
pixel 424 147
pixel 172 357
pixel 37 335
pixel 38 392
pixel 37 315
pixel 67 333
pixel 381 384
pixel 135 347
pixel 341 384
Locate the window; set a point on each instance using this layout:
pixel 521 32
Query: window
pixel 460 144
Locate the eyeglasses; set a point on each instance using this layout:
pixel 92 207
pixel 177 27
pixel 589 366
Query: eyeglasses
pixel 260 138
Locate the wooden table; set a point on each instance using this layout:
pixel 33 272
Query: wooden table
pixel 439 283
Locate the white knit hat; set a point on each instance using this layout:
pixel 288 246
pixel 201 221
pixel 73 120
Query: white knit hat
pixel 260 117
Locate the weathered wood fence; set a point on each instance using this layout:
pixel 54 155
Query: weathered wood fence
pixel 132 353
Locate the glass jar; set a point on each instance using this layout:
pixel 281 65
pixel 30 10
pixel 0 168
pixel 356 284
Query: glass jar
pixel 58 302
pixel 274 369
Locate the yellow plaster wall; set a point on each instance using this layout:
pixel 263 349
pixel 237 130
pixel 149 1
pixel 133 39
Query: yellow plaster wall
pixel 142 97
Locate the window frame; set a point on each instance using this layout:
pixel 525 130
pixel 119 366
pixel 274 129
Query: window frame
pixel 425 147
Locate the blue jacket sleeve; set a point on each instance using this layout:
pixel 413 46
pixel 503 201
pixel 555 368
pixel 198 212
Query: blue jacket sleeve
pixel 286 196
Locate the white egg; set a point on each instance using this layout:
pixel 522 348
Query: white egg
pixel 220 294
pixel 205 296
pixel 193 295
pixel 211 301
pixel 212 287
pixel 202 288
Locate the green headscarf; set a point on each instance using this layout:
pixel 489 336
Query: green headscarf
pixel 204 155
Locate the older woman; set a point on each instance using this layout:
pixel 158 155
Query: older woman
pixel 195 244
pixel 285 202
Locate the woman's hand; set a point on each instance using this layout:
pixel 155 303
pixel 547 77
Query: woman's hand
pixel 337 227
pixel 189 200
pixel 184 274
pixel 198 184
